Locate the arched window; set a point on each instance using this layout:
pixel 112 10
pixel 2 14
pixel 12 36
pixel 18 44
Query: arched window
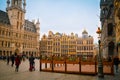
pixel 110 29
pixel 111 48
pixel 105 12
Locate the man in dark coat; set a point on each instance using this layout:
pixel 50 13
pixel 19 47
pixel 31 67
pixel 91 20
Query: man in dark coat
pixel 32 63
pixel 8 59
pixel 116 63
pixel 12 60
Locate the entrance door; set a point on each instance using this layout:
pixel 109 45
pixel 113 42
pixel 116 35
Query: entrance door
pixel 17 51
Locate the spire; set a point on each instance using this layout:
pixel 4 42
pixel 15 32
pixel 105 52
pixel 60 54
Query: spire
pixel 8 3
pixel 20 3
pixel 14 3
pixel 38 22
pixel 38 26
pixel 24 4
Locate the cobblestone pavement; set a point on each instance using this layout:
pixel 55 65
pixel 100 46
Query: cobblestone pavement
pixel 8 73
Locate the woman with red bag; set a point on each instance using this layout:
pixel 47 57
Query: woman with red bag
pixel 17 62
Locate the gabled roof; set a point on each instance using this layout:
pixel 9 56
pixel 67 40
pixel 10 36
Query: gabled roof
pixel 29 26
pixel 4 18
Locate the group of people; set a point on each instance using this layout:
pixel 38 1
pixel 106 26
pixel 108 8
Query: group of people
pixel 16 59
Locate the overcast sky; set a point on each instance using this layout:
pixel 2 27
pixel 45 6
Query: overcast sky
pixel 64 16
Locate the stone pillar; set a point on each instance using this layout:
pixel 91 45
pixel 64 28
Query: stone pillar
pixel 0 52
pixel 119 51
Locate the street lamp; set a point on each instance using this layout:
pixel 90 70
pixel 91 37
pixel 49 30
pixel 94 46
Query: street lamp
pixel 100 64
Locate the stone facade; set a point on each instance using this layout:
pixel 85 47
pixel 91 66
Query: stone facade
pixel 108 42
pixel 85 45
pixel 62 44
pixel 110 25
pixel 117 24
pixel 18 35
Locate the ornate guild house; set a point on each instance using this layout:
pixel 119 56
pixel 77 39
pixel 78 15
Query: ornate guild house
pixel 110 25
pixel 18 35
pixel 63 44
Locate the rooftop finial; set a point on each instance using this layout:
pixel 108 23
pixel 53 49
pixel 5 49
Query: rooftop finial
pixel 38 21
pixel 24 4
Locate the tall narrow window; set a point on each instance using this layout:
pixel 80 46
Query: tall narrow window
pixel 18 15
pixel 111 48
pixel 21 16
pixel 20 26
pixel 9 34
pixel 110 29
pixel 2 32
pixel 2 43
pixel 17 24
pixel 8 44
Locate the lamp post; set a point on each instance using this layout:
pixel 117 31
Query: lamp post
pixel 100 64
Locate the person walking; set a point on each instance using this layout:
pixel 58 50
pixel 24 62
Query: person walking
pixel 12 60
pixel 32 63
pixel 17 62
pixel 8 60
pixel 116 63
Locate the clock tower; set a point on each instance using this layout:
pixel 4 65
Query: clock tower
pixel 16 13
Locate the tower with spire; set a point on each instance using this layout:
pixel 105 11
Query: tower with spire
pixel 16 12
pixel 38 32
pixel 23 34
